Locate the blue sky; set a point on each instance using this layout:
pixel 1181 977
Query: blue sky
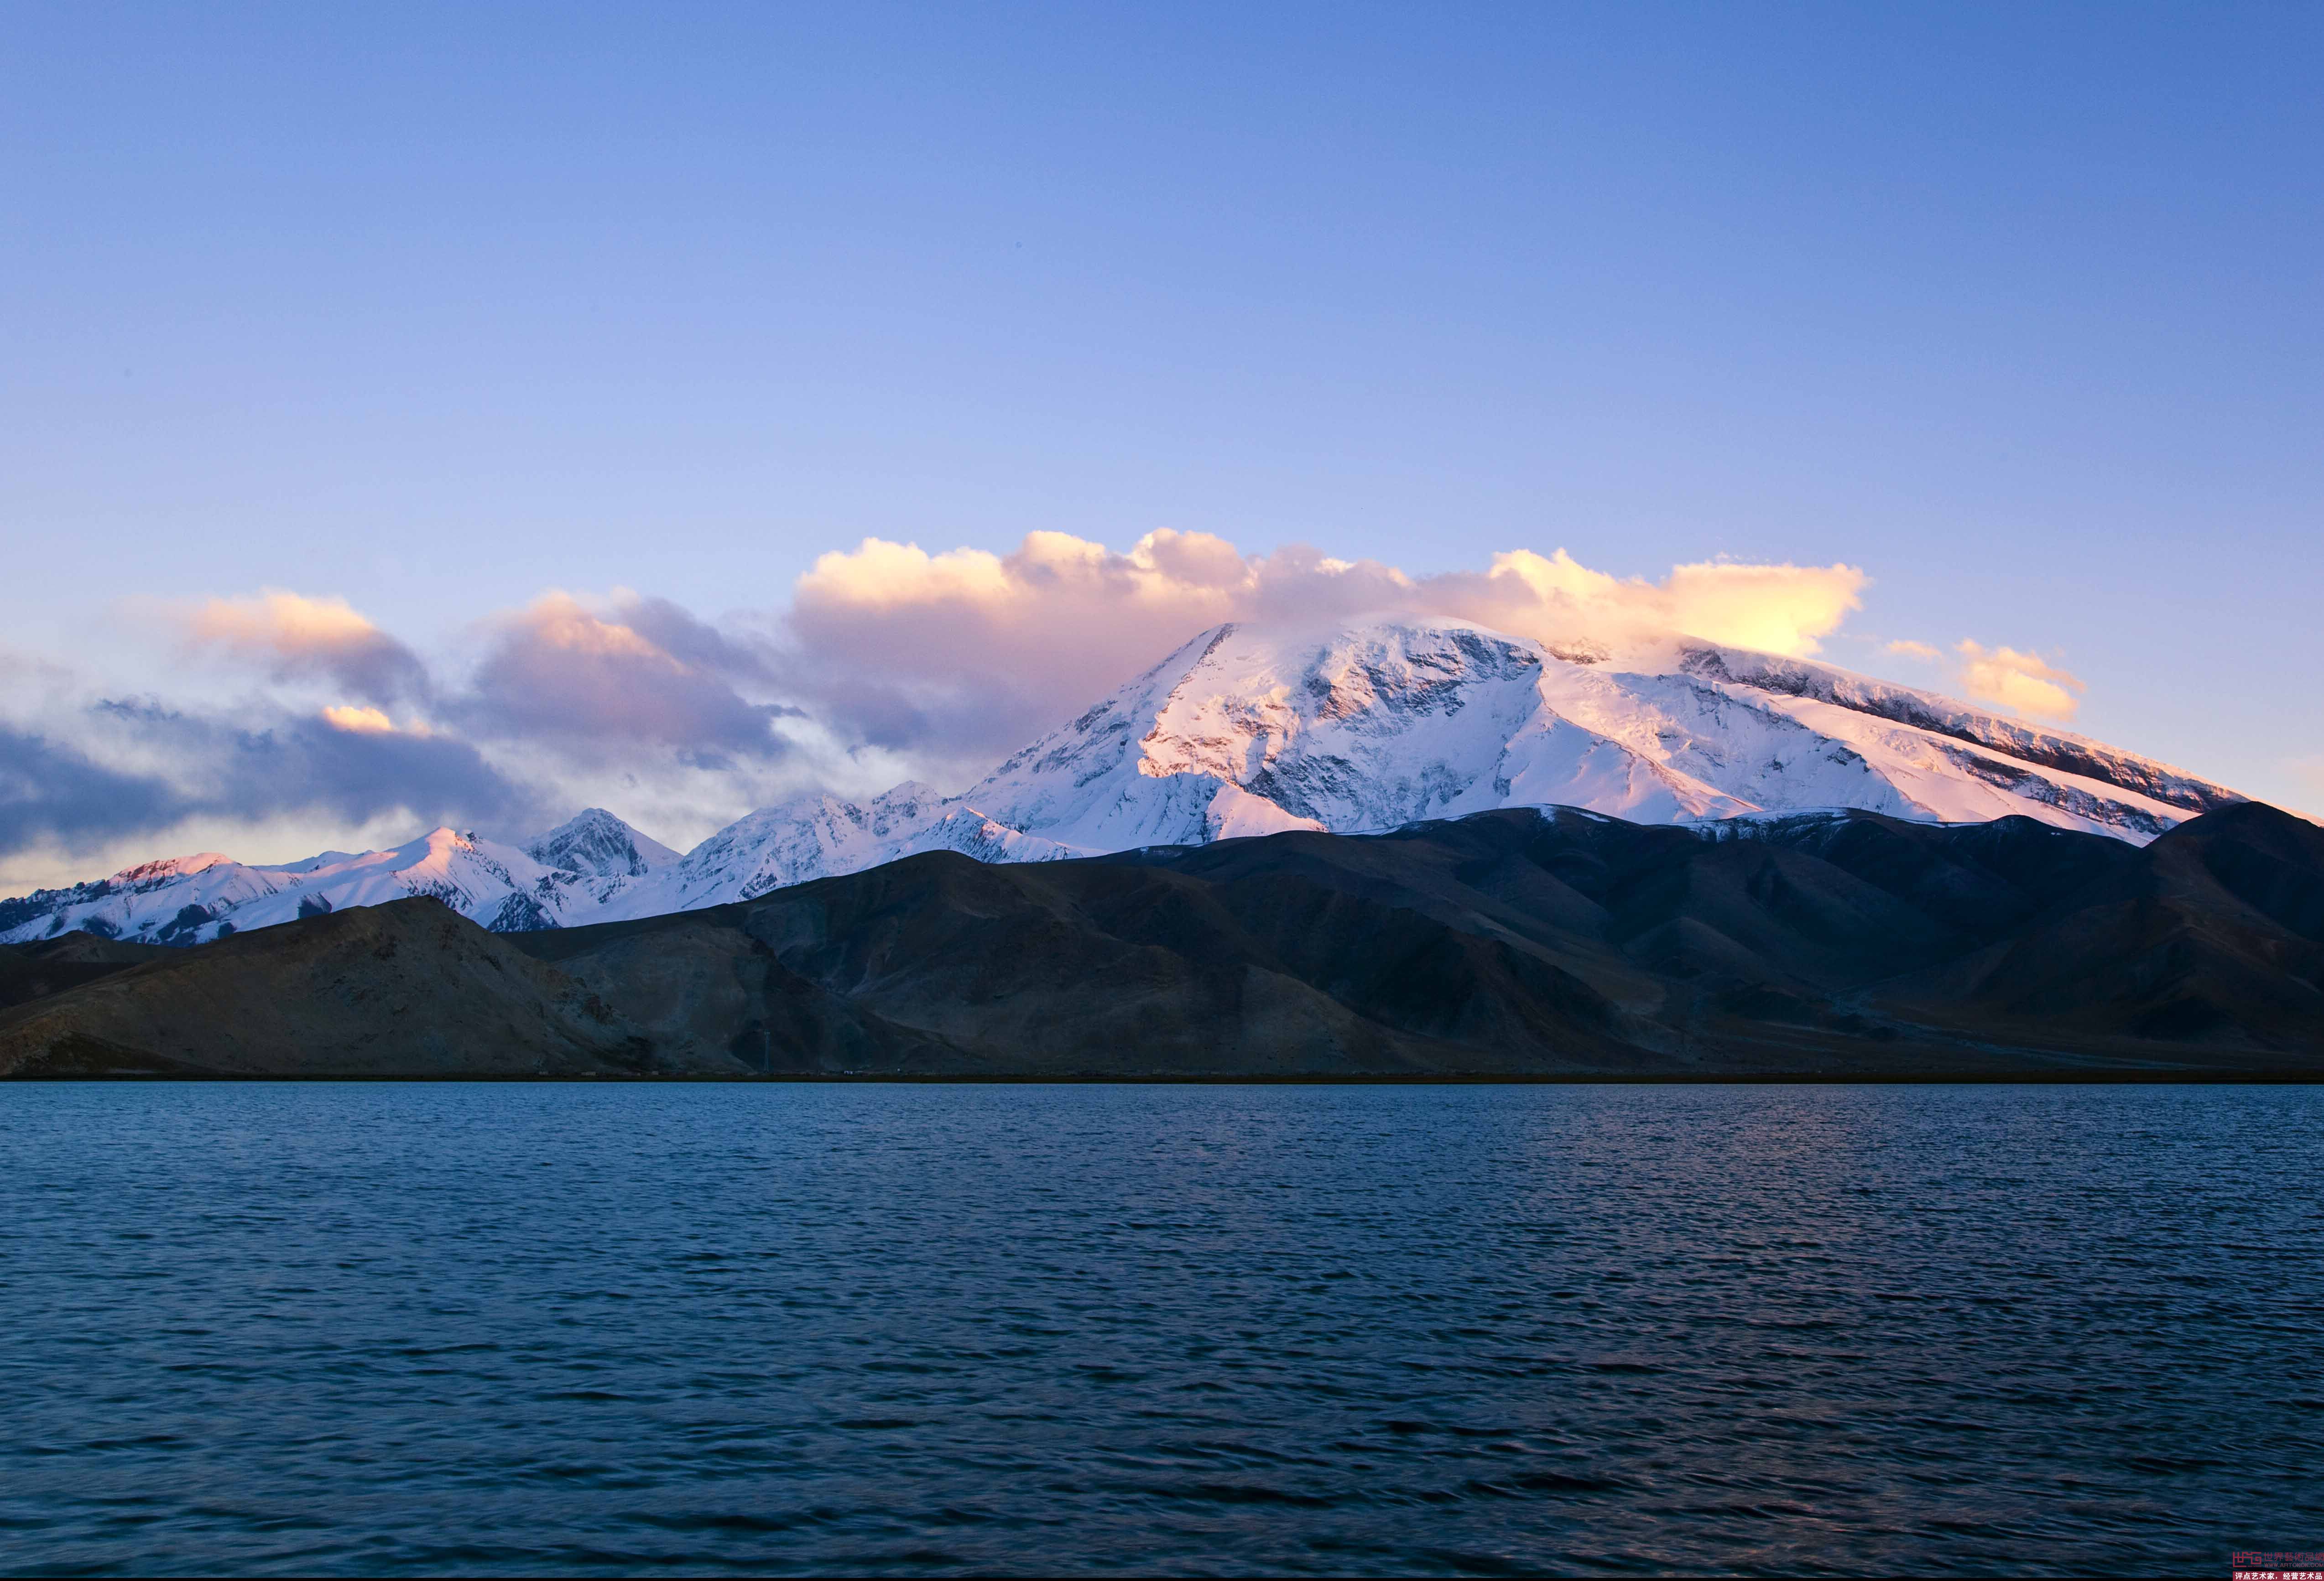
pixel 2018 308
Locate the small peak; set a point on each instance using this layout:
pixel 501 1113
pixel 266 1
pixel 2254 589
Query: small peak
pixel 911 793
pixel 2253 820
pixel 171 867
pixel 597 842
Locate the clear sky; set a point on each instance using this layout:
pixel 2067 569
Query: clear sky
pixel 2018 308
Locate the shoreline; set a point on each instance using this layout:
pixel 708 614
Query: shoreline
pixel 2257 1077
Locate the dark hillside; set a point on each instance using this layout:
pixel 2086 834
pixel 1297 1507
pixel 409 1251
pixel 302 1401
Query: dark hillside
pixel 1515 943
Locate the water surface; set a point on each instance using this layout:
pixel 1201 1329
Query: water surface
pixel 514 1329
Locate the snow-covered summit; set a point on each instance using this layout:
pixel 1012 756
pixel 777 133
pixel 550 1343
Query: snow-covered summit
pixel 1389 723
pixel 1246 731
pixel 604 853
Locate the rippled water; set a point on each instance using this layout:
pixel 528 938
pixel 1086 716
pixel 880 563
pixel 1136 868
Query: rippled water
pixel 509 1328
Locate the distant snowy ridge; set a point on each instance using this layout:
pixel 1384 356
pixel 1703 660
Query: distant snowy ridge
pixel 1249 730
pixel 190 900
pixel 1942 716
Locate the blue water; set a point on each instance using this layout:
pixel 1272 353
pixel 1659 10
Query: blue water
pixel 525 1328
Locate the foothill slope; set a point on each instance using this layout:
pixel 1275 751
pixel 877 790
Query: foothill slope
pixel 1523 943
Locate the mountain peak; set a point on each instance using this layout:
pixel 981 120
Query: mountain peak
pixel 1253 729
pixel 596 843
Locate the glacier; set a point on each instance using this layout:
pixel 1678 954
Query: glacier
pixel 1250 729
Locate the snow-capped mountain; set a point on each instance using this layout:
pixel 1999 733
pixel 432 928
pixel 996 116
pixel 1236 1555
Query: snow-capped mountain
pixel 1249 730
pixel 564 877
pixel 1246 731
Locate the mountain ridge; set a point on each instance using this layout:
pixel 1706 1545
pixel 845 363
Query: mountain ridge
pixel 1247 730
pixel 1513 944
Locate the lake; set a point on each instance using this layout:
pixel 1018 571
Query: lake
pixel 518 1329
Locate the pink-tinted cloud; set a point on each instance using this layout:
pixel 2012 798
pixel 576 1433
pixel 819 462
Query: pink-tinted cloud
pixel 2021 683
pixel 970 650
pixel 561 672
pixel 293 637
pixel 949 660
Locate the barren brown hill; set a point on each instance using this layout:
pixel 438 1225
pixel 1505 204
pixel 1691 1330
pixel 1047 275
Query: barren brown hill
pixel 34 971
pixel 408 990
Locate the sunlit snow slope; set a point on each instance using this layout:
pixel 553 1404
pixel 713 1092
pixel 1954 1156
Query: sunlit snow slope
pixel 1246 731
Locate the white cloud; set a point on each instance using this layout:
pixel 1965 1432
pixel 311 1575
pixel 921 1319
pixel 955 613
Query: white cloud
pixel 1905 649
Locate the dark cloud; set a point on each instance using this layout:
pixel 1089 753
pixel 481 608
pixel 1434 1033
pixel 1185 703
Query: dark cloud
pixel 962 724
pixel 382 670
pixel 310 766
pixel 52 792
pixel 693 642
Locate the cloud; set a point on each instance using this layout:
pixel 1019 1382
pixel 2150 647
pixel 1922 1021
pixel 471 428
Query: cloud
pixel 633 690
pixel 295 638
pixel 139 767
pixel 889 660
pixel 255 769
pixel 691 641
pixel 969 652
pixel 2023 683
pixel 52 793
pixel 1774 609
pixel 370 720
pixel 2017 683
pixel 645 675
pixel 307 765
